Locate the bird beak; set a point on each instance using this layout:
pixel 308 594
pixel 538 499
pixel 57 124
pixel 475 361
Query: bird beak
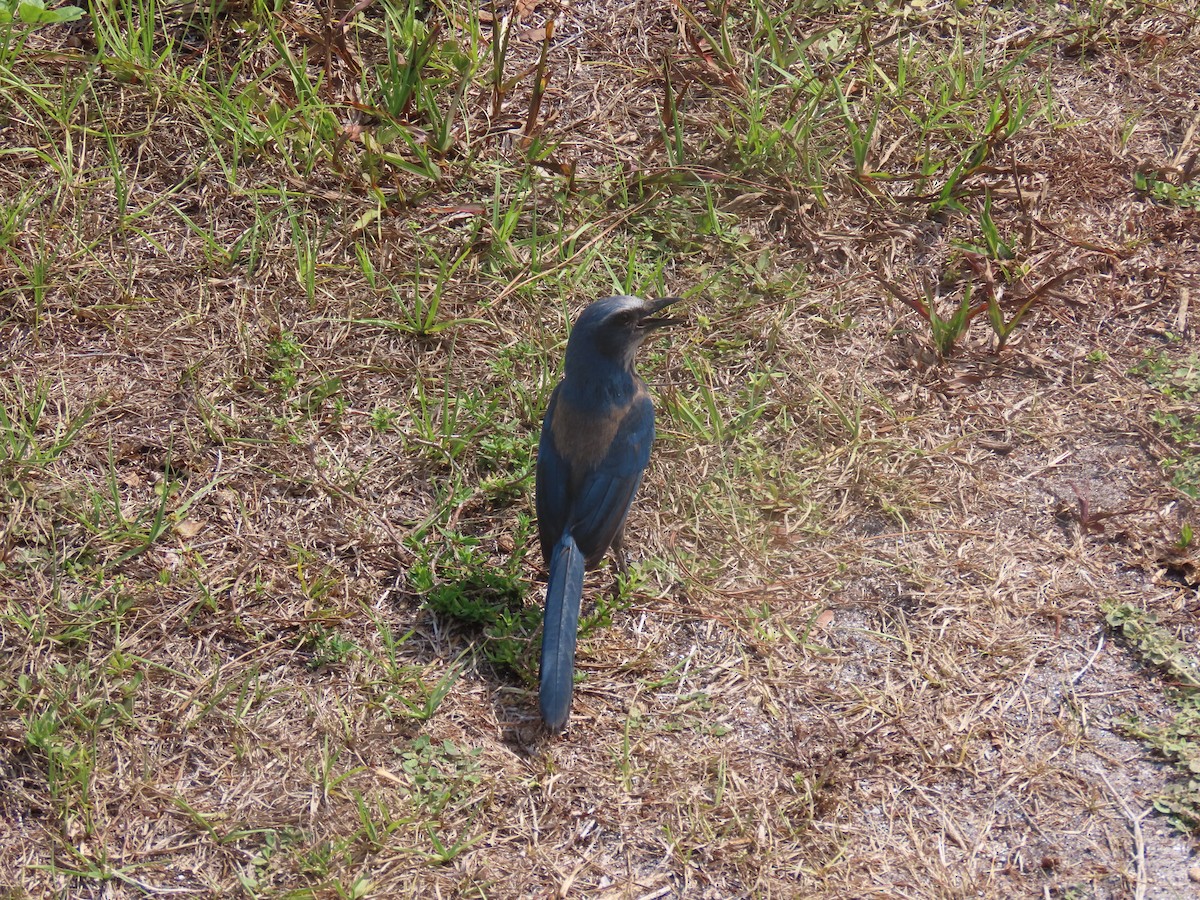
pixel 649 320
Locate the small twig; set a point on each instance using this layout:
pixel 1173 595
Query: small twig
pixel 1051 283
pixel 540 82
pixel 896 291
pixel 1053 464
pixel 1139 843
pixel 1088 664
pixel 1178 161
pixel 350 14
pixel 1110 252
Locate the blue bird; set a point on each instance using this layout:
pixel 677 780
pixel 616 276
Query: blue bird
pixel 594 448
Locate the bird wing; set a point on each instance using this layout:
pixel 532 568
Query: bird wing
pixel 603 493
pixel 552 482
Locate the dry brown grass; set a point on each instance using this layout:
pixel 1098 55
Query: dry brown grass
pixel 865 656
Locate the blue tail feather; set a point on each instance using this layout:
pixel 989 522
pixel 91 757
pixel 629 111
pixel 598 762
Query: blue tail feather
pixel 564 592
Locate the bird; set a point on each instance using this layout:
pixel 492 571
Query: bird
pixel 593 451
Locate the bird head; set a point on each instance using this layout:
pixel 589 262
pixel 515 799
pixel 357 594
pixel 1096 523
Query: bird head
pixel 616 326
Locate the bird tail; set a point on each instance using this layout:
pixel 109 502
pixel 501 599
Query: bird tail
pixel 564 591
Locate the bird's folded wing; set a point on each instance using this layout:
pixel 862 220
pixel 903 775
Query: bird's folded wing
pixel 552 485
pixel 605 493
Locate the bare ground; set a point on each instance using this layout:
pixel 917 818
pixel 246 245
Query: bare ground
pixel 867 658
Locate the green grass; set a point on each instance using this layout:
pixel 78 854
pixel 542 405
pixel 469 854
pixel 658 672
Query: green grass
pixel 283 299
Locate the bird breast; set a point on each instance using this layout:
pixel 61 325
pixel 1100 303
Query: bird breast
pixel 583 433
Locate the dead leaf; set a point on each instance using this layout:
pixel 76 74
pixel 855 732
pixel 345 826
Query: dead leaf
pixel 188 528
pixel 463 209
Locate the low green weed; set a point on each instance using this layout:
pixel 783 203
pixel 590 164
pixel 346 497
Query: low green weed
pixel 1179 740
pixel 1178 381
pixel 461 582
pixel 34 12
pixel 1185 194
